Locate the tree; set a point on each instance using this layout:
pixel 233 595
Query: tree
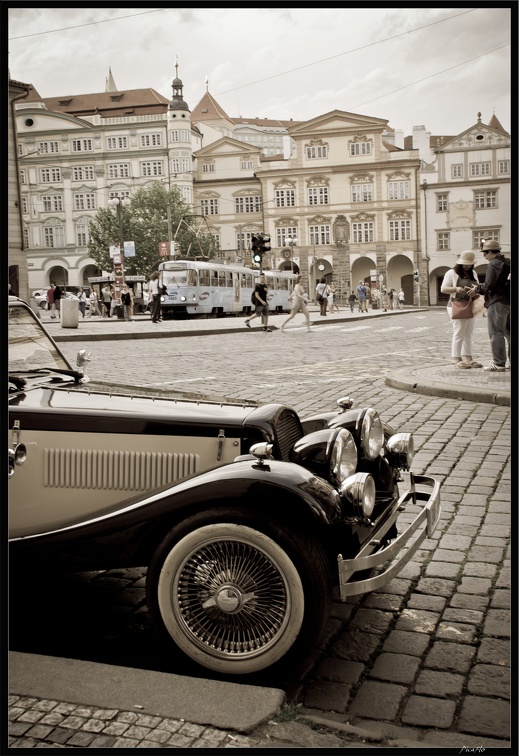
pixel 145 222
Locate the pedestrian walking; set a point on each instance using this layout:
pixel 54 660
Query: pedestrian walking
pixel 332 299
pixel 94 306
pixel 126 301
pixel 351 300
pixel 496 289
pixel 262 308
pixel 401 299
pixel 384 301
pixel 456 282
pixel 57 300
pixel 362 293
pixel 106 298
pixel 321 295
pixel 50 301
pixel 299 300
pixel 154 296
pixel 81 302
pixel 390 298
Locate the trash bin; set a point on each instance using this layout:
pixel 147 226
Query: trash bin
pixel 69 313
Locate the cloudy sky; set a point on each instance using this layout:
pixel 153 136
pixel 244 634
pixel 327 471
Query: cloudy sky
pixel 427 65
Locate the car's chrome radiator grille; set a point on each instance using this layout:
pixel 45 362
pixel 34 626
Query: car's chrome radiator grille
pixel 288 431
pixel 124 471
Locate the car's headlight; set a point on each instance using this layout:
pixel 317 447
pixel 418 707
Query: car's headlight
pixel 343 457
pixel 400 450
pixel 358 495
pixel 371 434
pixel 330 453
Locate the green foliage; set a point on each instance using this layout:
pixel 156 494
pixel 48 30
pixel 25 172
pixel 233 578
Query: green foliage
pixel 145 222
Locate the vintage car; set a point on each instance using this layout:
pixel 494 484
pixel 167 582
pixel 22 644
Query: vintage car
pixel 244 514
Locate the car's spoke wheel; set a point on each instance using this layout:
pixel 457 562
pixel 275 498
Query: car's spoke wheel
pixel 231 597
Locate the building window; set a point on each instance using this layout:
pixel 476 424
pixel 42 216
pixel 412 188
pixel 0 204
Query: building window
pixel 503 167
pixel 247 204
pixel 246 165
pixel 284 233
pixel 187 194
pixel 444 240
pixel 118 170
pixel 152 168
pixel 457 171
pixel 179 135
pixel 441 203
pixel 207 167
pixel 480 169
pixel 318 195
pixel 46 148
pixel 83 173
pixel 52 203
pixel 54 236
pixel 488 234
pixel 117 143
pixel 26 237
pixel 23 177
pixel 398 190
pixel 243 240
pixel 82 145
pixel 285 197
pixel 363 232
pixel 209 207
pixel 399 230
pixel 485 199
pixel 319 234
pixel 49 175
pixel 360 148
pixel 361 192
pixel 317 151
pixel 151 140
pixel 25 208
pixel 85 201
pixel 119 195
pixel 180 165
pixel 81 235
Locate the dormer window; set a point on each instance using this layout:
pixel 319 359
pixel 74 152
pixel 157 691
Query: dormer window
pixel 64 103
pixel 116 98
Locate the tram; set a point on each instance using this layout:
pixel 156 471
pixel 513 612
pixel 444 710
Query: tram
pixel 191 287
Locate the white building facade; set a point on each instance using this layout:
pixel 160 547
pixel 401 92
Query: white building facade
pixel 342 196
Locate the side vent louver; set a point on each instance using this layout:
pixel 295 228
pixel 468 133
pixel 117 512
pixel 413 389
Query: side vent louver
pixel 125 471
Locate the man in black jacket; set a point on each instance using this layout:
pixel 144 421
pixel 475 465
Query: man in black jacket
pixel 496 289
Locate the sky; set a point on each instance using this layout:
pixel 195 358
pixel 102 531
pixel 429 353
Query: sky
pixel 436 66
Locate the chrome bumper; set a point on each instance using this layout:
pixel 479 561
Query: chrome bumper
pixel 422 526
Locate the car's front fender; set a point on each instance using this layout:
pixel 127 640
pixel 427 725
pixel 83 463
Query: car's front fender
pixel 116 534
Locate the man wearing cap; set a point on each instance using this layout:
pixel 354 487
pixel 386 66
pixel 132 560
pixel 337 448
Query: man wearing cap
pixel 496 289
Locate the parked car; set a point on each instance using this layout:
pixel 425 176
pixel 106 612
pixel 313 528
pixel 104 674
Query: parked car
pixel 40 295
pixel 245 514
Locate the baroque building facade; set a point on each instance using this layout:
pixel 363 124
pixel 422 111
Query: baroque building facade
pixel 342 195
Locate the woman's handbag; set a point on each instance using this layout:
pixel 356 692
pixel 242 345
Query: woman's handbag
pixel 461 309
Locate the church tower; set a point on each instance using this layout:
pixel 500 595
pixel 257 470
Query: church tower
pixel 180 148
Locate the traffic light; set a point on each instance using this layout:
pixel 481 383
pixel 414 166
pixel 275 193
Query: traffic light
pixel 260 245
pixel 416 276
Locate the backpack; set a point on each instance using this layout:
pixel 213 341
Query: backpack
pixel 253 299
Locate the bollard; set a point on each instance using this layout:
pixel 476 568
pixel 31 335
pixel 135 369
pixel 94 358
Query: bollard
pixel 69 313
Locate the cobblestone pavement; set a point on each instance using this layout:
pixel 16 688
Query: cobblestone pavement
pixel 424 660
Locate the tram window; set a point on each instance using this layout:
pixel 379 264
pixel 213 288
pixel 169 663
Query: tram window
pixel 204 277
pixel 221 278
pixel 228 278
pixel 214 278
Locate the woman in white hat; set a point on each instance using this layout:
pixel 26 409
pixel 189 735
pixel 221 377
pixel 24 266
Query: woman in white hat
pixel 455 282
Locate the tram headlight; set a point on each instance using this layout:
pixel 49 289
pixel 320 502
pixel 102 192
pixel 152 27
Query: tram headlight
pixel 371 434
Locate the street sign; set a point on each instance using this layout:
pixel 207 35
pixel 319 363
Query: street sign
pixel 129 249
pixel 163 249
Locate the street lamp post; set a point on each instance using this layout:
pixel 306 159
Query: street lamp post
pixel 118 260
pixel 291 241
